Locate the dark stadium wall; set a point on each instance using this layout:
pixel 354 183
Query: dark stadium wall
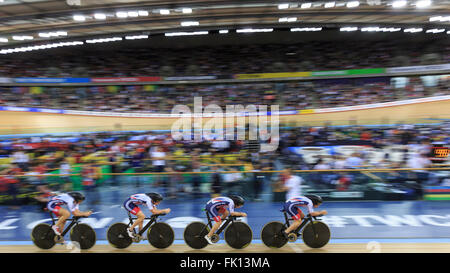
pixel 212 40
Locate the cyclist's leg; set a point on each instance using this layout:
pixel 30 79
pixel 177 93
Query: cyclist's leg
pixel 297 215
pixel 215 214
pixel 224 213
pixel 63 215
pixel 139 221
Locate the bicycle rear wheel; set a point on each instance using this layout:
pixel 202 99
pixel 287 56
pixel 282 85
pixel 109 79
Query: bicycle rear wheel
pixel 271 235
pixel 84 235
pixel 238 235
pixel 194 235
pixel 43 236
pixel 317 237
pixel 160 235
pixel 118 237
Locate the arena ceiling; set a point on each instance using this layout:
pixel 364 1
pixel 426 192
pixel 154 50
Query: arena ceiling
pixel 20 18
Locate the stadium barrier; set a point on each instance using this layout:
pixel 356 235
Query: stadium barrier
pixel 332 185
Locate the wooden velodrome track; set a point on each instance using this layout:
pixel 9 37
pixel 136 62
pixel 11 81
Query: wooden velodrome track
pixel 31 123
pixel 252 248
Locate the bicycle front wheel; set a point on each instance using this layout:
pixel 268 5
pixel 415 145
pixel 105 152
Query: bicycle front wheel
pixel 317 236
pixel 160 235
pixel 238 235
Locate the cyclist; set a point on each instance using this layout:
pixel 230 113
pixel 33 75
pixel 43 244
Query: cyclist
pixel 151 199
pixel 72 200
pixel 291 206
pixel 217 207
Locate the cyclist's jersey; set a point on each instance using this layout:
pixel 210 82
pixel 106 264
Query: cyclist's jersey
pixel 63 199
pixel 221 202
pixel 139 199
pixel 299 201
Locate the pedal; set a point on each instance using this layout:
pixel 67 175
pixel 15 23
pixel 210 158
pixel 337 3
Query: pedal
pixel 215 238
pixel 137 238
pixel 292 237
pixel 59 239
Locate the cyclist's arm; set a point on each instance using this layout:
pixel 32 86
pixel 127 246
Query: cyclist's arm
pixel 77 212
pixel 319 213
pixel 159 211
pixel 241 214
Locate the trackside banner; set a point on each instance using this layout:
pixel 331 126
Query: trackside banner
pixel 421 68
pixel 281 113
pixel 52 80
pixel 379 105
pixel 367 71
pixel 127 79
pixel 6 80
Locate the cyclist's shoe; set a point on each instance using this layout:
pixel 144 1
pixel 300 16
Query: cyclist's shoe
pixel 284 234
pixel 56 230
pixel 130 233
pixel 208 239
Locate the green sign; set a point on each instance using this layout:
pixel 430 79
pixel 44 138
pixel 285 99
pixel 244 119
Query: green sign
pixel 365 71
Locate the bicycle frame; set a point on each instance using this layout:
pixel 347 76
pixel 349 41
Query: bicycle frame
pixel 152 220
pixel 229 219
pixel 75 220
pixel 305 221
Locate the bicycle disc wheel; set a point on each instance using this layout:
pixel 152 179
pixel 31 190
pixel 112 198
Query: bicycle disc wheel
pixel 317 237
pixel 160 235
pixel 194 235
pixel 84 235
pixel 117 236
pixel 271 235
pixel 238 235
pixel 43 236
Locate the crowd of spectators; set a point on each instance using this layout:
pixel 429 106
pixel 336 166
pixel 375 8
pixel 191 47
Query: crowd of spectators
pixel 223 60
pixel 157 152
pixel 296 95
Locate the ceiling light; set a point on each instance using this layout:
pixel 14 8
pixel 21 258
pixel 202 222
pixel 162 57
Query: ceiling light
pixel 412 30
pixel 330 4
pixel 22 38
pixel 4 40
pixel 250 30
pixel 283 6
pixel 223 31
pixel 103 40
pixel 164 12
pixel 186 10
pixel 79 18
pixel 435 30
pixel 348 29
pixel 287 19
pixel 440 18
pixel 136 37
pixel 306 29
pixel 189 23
pixel 423 3
pixel 352 4
pixel 121 14
pixel 185 33
pixel 399 3
pixel 143 13
pixel 306 5
pixel 133 13
pixel 100 16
